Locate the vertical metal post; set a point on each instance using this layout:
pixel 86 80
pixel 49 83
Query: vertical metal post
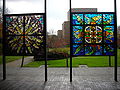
pixel 3 42
pixel 22 61
pixel 70 46
pixel 109 61
pixel 23 40
pixel 115 10
pixel 45 41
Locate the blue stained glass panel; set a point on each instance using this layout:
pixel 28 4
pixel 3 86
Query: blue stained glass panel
pixel 108 49
pixel 93 34
pixel 77 19
pixel 108 34
pixel 93 50
pixel 77 34
pixel 93 18
pixel 108 19
pixel 78 50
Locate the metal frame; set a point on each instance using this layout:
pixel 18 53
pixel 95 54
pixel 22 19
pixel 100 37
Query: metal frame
pixel 3 41
pixel 115 36
pixel 70 43
pixel 115 67
pixel 4 37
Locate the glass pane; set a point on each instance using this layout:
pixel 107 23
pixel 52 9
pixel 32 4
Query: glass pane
pixel 77 19
pixel 34 45
pixel 14 25
pixel 14 45
pixel 108 34
pixel 78 50
pixel 25 6
pixel 93 34
pixel 91 5
pixel 77 34
pixel 108 19
pixel 93 49
pixel 34 25
pixel 93 18
pixel 108 49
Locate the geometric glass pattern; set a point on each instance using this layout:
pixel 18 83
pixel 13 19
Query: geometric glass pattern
pixel 77 19
pixel 77 34
pixel 93 18
pixel 78 50
pixel 93 50
pixel 24 35
pixel 108 34
pixel 108 18
pixel 92 33
pixel 108 49
pixel 14 25
pixel 34 25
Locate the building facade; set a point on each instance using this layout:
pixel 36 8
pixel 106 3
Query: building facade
pixel 66 31
pixel 60 33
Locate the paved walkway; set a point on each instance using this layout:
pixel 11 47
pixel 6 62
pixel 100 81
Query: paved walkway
pixel 17 63
pixel 84 78
pixel 58 79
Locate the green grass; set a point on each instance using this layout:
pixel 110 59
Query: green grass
pixel 10 58
pixel 90 61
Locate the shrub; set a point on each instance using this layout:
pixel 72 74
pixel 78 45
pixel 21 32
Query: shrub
pixel 55 53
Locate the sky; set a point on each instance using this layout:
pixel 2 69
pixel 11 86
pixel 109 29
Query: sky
pixel 57 9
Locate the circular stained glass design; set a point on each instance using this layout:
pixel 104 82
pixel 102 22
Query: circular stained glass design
pixel 93 34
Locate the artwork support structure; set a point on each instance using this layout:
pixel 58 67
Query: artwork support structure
pixel 27 29
pixel 90 42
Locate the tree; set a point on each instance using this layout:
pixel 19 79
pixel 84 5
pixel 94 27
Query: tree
pixel 1 12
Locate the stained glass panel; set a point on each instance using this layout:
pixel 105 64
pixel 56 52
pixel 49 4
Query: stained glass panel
pixel 14 25
pixel 14 45
pixel 108 34
pixel 108 19
pixel 34 25
pixel 93 34
pixel 93 18
pixel 33 44
pixel 93 50
pixel 108 49
pixel 25 35
pixel 77 19
pixel 77 34
pixel 78 50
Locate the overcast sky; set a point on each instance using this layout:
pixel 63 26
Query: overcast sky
pixel 57 9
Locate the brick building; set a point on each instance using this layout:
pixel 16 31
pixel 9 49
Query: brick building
pixel 60 33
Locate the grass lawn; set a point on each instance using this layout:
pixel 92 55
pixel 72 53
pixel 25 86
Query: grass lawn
pixel 10 58
pixel 90 61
